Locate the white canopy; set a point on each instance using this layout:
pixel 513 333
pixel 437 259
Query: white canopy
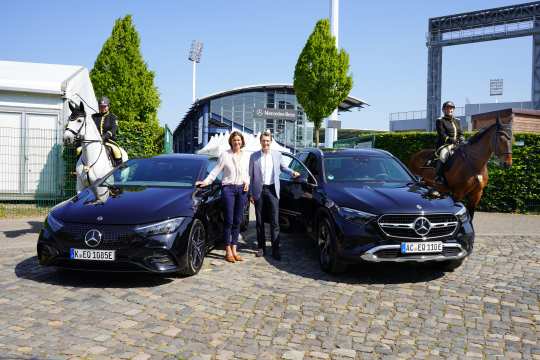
pixel 220 142
pixel 67 81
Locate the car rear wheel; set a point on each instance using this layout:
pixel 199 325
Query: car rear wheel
pixel 196 249
pixel 326 241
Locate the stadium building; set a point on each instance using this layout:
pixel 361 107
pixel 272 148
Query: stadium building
pixel 251 109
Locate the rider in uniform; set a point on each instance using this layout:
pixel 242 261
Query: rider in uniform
pixel 449 135
pixel 107 124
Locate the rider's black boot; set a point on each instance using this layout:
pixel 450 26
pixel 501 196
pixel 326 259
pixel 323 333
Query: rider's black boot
pixel 439 173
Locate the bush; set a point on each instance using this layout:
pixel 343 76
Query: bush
pixel 140 139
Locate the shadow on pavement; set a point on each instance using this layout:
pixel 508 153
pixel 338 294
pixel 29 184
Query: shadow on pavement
pixel 30 269
pixel 299 256
pixel 35 227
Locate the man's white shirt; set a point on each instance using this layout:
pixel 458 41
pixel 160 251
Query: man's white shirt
pixel 267 168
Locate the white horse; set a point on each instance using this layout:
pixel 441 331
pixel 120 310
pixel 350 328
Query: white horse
pixel 94 162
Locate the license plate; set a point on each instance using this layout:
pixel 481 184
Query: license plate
pixel 421 247
pixel 87 254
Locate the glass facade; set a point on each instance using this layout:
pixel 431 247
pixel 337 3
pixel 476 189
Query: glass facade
pixel 239 112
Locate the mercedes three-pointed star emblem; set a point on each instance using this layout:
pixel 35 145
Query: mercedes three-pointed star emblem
pixel 93 238
pixel 422 226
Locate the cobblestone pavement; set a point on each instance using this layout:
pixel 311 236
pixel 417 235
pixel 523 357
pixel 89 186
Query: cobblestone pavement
pixel 262 309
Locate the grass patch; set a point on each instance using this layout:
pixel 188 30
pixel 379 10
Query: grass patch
pixel 8 211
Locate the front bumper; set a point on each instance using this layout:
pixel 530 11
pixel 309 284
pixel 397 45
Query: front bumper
pixel 162 254
pixel 391 253
pixel 368 243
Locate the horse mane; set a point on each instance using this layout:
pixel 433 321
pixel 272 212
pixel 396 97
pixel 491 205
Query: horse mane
pixel 480 134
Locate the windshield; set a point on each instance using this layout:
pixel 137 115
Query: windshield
pixel 156 172
pixel 364 169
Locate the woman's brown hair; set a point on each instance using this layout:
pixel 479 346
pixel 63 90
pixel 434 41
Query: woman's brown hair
pixel 236 133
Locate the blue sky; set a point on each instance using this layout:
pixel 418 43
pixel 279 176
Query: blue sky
pixel 255 41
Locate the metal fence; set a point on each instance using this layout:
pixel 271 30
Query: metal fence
pixel 34 173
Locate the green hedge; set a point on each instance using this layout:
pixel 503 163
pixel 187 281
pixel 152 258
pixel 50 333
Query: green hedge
pixel 140 139
pixel 509 190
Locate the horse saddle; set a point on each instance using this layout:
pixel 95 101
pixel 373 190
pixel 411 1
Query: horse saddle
pixel 115 150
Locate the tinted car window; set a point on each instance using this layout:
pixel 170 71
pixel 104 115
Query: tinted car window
pixel 292 164
pixel 302 156
pixel 156 172
pixel 212 162
pixel 296 166
pixel 364 168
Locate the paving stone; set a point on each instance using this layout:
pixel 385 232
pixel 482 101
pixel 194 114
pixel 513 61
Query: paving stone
pixel 261 309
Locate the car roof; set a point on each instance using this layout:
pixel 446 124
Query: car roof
pixel 327 152
pixel 182 156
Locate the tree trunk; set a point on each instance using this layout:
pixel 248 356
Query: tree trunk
pixel 317 137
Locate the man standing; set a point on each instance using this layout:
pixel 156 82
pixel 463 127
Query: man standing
pixel 449 135
pixel 107 124
pixel 265 166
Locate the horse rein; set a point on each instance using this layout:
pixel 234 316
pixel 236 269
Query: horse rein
pixel 84 144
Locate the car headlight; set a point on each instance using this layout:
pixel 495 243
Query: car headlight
pixel 163 227
pixel 355 215
pixel 53 223
pixel 462 214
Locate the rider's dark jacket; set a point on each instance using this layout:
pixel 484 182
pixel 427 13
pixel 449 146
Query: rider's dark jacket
pixel 448 131
pixel 107 125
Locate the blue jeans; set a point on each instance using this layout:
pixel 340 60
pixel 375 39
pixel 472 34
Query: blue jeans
pixel 234 198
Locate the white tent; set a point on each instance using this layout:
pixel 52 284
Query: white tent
pixel 220 142
pixel 33 111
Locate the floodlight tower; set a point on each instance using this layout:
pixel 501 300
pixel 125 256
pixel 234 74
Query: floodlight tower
pixel 195 57
pixel 332 123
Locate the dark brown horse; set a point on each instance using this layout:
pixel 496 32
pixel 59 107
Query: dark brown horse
pixel 466 174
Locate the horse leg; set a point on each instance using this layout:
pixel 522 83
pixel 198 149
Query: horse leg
pixel 474 199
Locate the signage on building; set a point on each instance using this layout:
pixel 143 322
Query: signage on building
pixel 495 87
pixel 334 124
pixel 288 114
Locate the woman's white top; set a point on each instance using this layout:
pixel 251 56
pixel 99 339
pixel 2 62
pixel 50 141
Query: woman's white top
pixel 235 168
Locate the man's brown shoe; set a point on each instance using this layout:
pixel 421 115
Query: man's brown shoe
pixel 230 258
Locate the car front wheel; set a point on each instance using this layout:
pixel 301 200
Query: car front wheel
pixel 326 241
pixel 196 249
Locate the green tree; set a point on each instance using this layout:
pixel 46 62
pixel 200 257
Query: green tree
pixel 321 78
pixel 121 74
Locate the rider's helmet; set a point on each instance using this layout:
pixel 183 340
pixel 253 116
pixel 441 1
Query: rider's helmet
pixel 104 101
pixel 449 104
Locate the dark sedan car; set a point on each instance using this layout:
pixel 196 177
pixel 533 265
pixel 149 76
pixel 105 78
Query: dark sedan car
pixel 145 215
pixel 365 205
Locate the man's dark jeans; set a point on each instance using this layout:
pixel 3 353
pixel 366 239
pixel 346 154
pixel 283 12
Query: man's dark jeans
pixel 268 203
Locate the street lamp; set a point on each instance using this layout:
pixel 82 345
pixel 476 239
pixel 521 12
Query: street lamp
pixel 195 57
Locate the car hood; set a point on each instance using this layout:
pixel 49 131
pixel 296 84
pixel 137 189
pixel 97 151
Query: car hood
pixel 380 199
pixel 126 205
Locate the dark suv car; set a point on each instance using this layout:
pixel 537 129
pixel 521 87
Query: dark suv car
pixel 365 205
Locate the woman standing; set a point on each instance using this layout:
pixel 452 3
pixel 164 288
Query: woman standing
pixel 235 184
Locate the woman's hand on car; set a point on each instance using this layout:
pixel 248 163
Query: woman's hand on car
pixel 201 183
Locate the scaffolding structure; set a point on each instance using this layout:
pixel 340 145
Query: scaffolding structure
pixel 478 26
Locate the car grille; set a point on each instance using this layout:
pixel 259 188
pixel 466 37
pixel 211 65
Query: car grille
pixel 112 235
pixel 403 225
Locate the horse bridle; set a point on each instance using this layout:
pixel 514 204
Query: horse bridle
pixel 84 143
pixel 506 131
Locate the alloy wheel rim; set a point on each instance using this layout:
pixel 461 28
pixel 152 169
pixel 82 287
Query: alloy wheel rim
pixel 197 240
pixel 324 244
